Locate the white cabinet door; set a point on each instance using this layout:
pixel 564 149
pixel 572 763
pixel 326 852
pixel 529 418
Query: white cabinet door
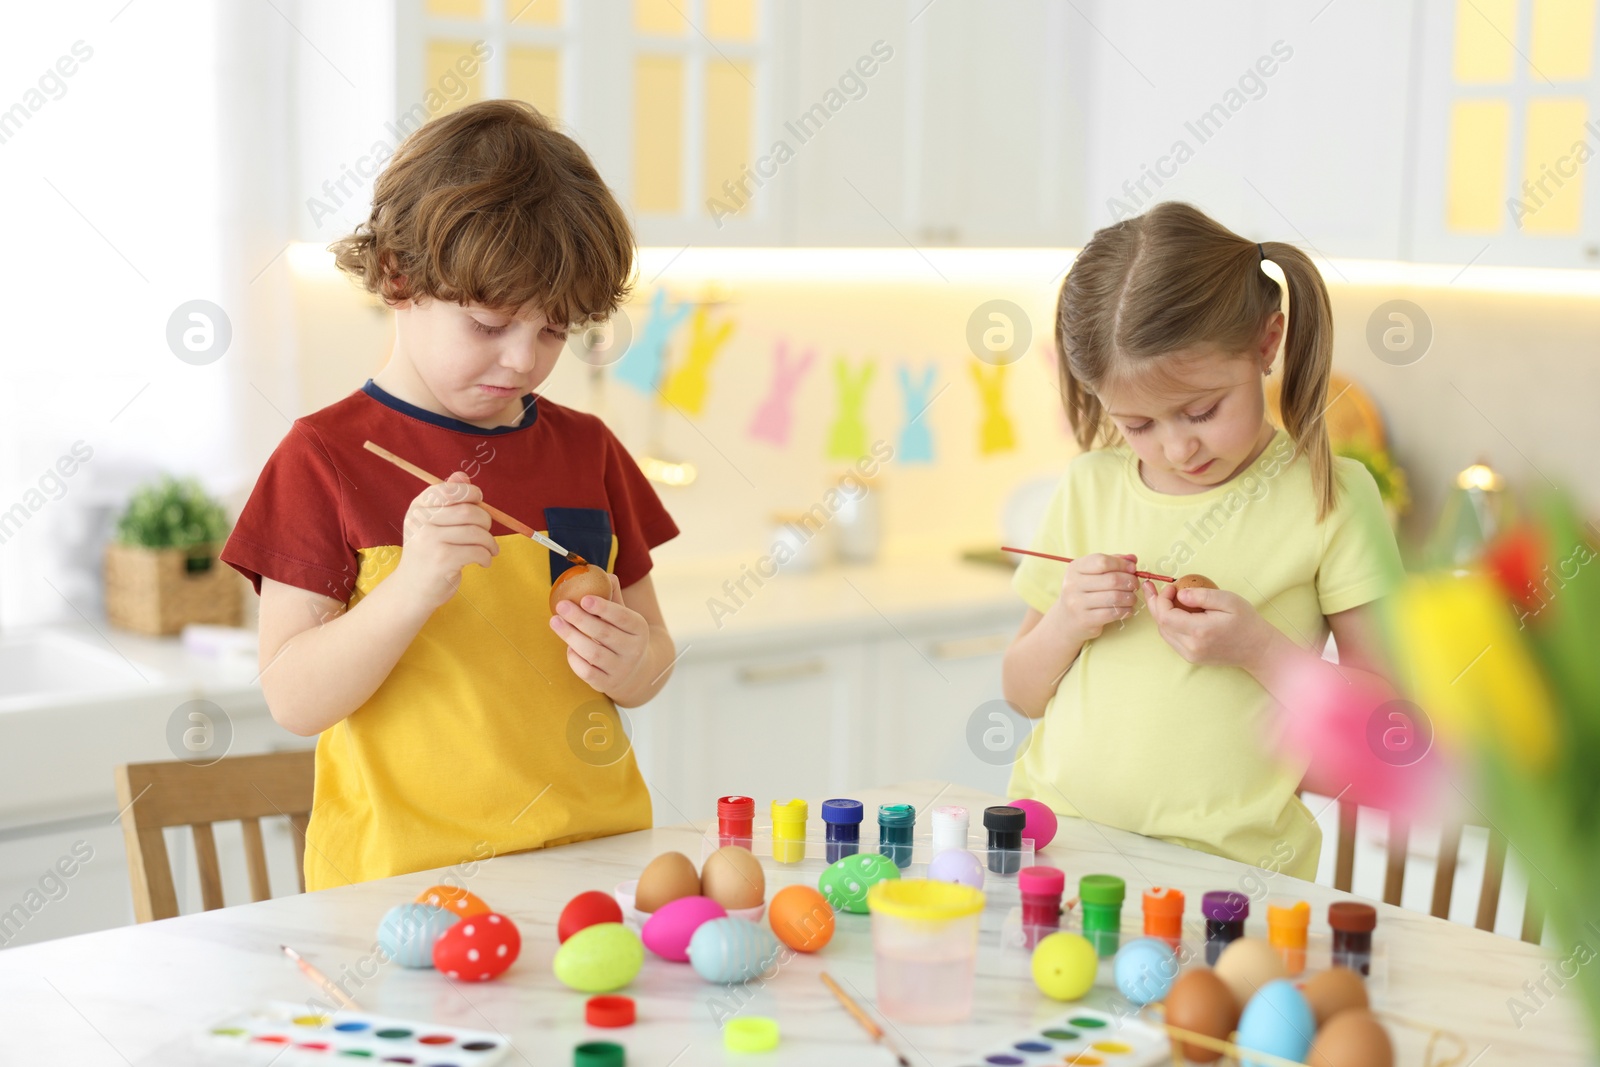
pixel 776 726
pixel 928 690
pixel 934 124
pixel 1283 122
pixel 71 878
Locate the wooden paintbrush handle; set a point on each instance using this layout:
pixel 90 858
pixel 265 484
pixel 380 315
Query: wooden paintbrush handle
pixel 411 468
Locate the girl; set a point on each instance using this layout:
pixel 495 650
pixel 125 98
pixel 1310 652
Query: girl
pixel 1155 720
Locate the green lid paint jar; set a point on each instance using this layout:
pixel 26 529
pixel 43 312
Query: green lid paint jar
pixel 1100 897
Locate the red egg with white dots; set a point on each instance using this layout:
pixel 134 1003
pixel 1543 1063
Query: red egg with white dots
pixel 478 948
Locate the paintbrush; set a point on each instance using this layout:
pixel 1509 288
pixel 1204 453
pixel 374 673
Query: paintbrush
pixel 320 979
pixel 504 519
pixel 1063 559
pixel 865 1020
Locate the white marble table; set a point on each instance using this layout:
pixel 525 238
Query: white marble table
pixel 130 996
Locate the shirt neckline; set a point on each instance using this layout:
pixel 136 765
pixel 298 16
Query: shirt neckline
pixel 1130 468
pixel 530 413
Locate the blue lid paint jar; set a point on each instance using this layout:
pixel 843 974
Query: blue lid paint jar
pixel 841 820
pixel 896 823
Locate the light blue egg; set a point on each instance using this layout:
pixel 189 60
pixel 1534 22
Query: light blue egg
pixel 408 931
pixel 957 865
pixel 1277 1021
pixel 1145 970
pixel 732 950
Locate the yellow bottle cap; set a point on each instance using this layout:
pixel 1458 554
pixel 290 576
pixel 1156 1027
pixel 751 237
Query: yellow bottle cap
pixel 755 1033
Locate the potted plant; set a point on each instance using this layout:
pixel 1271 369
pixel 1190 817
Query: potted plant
pixel 161 568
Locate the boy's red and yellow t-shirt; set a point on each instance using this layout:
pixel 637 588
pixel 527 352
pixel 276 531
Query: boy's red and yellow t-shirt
pixel 481 740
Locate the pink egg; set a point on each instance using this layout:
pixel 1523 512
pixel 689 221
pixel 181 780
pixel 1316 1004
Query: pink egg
pixel 1041 822
pixel 669 928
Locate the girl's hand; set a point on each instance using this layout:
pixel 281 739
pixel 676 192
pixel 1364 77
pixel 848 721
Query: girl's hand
pixel 1229 632
pixel 606 639
pixel 1097 591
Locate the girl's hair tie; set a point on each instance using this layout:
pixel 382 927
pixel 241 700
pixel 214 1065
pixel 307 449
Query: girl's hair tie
pixel 1263 252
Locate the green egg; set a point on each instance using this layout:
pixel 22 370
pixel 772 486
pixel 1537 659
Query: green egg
pixel 599 958
pixel 844 885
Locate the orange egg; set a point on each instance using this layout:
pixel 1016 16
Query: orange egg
pixel 575 583
pixel 454 899
pixel 801 918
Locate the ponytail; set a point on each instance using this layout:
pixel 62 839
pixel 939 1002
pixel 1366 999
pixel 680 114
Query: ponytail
pixel 1307 365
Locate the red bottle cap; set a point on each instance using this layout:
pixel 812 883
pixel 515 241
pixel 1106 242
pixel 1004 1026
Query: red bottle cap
pixel 609 1011
pixel 736 808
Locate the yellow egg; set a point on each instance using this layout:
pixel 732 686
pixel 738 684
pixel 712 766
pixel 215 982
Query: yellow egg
pixel 665 879
pixel 732 877
pixel 1248 964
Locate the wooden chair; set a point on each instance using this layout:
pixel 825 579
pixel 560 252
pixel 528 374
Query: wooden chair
pixel 154 796
pixel 1444 874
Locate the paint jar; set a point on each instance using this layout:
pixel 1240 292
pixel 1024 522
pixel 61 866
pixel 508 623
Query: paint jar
pixel 1041 888
pixel 1004 824
pixel 951 824
pixel 841 820
pixel 896 824
pixel 1100 896
pixel 925 948
pixel 1352 925
pixel 1163 914
pixel 789 831
pixel 1225 913
pixel 1287 927
pixel 735 819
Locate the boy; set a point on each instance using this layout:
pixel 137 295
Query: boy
pixel 457 718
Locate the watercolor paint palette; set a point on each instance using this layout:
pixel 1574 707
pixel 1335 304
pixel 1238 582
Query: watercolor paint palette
pixel 1084 1037
pixel 288 1035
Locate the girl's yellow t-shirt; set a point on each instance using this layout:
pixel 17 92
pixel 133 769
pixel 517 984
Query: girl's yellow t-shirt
pixel 1139 738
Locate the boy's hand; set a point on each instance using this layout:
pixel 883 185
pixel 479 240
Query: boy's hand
pixel 445 530
pixel 1098 590
pixel 1229 632
pixel 606 639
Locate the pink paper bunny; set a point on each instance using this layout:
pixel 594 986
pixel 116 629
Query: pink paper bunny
pixel 773 417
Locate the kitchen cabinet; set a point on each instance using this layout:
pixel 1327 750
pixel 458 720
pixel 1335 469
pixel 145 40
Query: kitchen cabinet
pixel 790 719
pixel 63 867
pixel 1507 107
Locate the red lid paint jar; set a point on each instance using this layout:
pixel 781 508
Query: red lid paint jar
pixel 735 819
pixel 1352 925
pixel 1225 913
pixel 1041 888
pixel 1163 914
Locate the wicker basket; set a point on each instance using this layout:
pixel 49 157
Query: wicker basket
pixel 156 590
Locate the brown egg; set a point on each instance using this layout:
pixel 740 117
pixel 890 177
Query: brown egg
pixel 1192 581
pixel 575 583
pixel 665 879
pixel 1333 991
pixel 1199 1001
pixel 732 877
pixel 1354 1036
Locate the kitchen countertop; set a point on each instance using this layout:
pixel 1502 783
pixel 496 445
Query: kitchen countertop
pixel 829 604
pixel 133 995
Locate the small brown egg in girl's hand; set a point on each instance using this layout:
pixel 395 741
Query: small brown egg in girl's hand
pixel 577 582
pixel 1191 581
